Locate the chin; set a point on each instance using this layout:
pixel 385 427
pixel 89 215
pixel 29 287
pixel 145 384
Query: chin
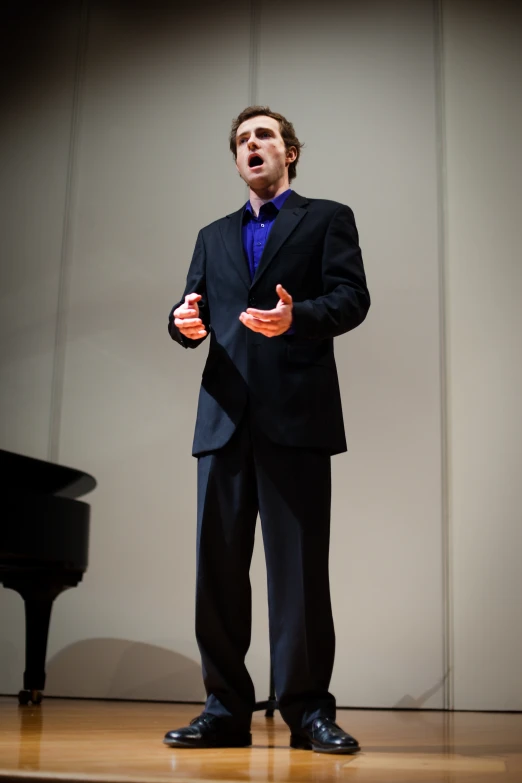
pixel 258 184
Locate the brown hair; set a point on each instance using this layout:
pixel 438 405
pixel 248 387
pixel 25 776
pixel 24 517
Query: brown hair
pixel 286 128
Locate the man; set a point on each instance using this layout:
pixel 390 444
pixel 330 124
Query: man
pixel 273 284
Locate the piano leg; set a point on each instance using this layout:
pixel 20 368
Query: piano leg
pixel 37 620
pixel 38 599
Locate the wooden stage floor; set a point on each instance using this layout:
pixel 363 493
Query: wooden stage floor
pixel 67 740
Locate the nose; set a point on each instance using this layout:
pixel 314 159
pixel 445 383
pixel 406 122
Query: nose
pixel 252 144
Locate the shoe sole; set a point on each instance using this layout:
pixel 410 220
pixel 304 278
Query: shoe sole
pixel 299 743
pixel 243 742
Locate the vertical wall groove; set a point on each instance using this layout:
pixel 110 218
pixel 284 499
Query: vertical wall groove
pixel 66 247
pixel 254 54
pixel 447 587
pixel 253 63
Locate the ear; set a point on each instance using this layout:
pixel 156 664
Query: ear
pixel 291 155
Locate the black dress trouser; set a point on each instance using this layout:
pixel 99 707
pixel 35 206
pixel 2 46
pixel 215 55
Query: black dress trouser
pixel 291 489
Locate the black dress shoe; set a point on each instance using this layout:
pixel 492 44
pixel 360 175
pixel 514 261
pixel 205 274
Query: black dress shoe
pixel 207 731
pixel 324 736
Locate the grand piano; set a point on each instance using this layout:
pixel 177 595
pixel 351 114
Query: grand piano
pixel 44 542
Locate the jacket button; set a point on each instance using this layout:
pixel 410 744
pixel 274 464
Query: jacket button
pixel 251 300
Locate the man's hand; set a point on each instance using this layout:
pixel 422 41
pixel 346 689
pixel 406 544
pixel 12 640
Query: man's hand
pixel 186 318
pixel 274 322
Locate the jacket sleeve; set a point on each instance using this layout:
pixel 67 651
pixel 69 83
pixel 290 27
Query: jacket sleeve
pixel 196 284
pixel 346 300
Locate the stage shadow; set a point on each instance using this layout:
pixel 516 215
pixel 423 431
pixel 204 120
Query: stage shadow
pixel 123 669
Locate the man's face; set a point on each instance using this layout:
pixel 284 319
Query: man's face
pixel 261 157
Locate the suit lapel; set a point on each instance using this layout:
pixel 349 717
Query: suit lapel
pixel 231 231
pixel 289 217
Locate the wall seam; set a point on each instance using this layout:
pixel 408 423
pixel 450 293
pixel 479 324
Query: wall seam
pixel 254 54
pixel 253 63
pixel 67 240
pixel 442 201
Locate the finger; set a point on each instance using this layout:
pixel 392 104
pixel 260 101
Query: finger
pixel 283 294
pixel 264 315
pixel 259 326
pixel 182 312
pixel 192 298
pixel 188 323
pixel 193 334
pixel 258 329
pixel 247 321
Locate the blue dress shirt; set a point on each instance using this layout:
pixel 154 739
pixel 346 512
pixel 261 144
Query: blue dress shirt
pixel 256 229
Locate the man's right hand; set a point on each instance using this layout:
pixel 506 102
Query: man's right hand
pixel 186 318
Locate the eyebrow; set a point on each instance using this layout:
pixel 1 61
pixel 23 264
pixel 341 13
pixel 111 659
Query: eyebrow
pixel 247 133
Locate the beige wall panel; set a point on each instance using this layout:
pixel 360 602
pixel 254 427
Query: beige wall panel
pixel 38 53
pixel 358 81
pixel 38 59
pixel 162 84
pixel 483 74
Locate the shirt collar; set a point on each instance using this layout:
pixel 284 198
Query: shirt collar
pixel 276 202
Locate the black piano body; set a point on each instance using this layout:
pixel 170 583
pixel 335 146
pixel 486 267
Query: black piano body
pixel 44 543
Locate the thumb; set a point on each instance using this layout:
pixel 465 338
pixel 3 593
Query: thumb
pixel 192 298
pixel 283 295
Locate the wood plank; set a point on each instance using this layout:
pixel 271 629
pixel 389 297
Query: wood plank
pixel 121 742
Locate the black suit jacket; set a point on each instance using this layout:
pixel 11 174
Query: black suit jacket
pixel 289 381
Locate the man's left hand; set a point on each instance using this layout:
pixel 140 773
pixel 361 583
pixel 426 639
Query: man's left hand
pixel 274 322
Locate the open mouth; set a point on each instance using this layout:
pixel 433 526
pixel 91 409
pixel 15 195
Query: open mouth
pixel 254 161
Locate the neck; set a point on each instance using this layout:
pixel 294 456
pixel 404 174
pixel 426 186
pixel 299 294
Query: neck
pixel 260 197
